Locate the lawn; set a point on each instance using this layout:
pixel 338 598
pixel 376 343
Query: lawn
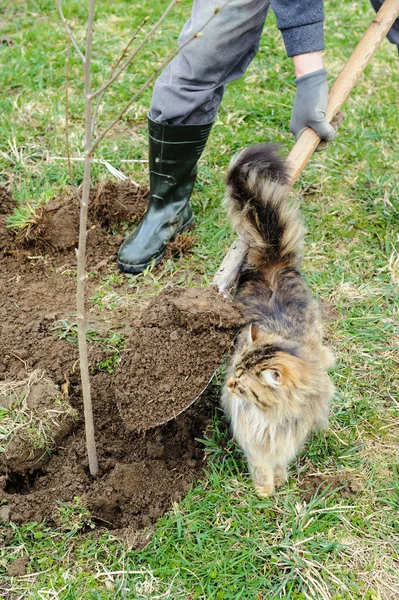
pixel 340 540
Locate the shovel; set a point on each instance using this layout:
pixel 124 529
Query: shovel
pixel 143 390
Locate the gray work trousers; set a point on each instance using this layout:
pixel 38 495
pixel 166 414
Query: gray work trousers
pixel 190 89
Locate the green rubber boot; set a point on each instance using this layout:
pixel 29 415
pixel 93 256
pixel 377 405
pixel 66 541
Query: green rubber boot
pixel 174 151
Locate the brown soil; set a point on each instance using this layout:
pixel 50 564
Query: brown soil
pixel 180 245
pixel 7 205
pixel 140 474
pixel 347 484
pixel 18 567
pixel 174 349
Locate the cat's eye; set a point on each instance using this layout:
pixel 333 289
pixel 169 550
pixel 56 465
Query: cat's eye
pixel 272 377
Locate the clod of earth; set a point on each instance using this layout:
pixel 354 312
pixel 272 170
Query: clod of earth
pixel 180 244
pixel 173 351
pixel 34 418
pixel 18 567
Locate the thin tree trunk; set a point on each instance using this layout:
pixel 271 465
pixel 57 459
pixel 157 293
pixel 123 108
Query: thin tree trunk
pixel 81 256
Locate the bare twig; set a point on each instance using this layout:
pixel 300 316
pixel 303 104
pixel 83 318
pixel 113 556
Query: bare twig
pixel 122 56
pixel 75 190
pixel 67 111
pixel 126 48
pixel 137 50
pixel 69 30
pixel 151 79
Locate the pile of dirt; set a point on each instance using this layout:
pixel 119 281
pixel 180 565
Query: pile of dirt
pixel 141 474
pixel 7 202
pixel 180 245
pixel 18 567
pixel 115 204
pixel 173 351
pixel 113 207
pixel 7 205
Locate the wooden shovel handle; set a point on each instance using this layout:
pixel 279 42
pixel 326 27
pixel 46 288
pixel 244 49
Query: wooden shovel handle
pixel 227 273
pixel 345 82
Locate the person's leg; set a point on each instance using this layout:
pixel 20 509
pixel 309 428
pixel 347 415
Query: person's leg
pixel 191 87
pixel 185 102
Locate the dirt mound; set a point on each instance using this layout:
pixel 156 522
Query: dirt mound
pixel 175 347
pixel 347 484
pixel 114 204
pixel 56 225
pixel 113 208
pixel 180 244
pixel 7 205
pixel 7 202
pixel 18 567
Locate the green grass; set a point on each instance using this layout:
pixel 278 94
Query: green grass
pixel 221 541
pixel 112 343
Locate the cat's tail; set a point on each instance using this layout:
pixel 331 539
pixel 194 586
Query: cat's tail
pixel 259 210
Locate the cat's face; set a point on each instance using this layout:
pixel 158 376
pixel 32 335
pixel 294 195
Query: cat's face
pixel 267 374
pixel 258 387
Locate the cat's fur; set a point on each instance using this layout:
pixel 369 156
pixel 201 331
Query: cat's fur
pixel 277 389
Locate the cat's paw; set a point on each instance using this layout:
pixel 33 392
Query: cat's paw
pixel 280 477
pixel 265 490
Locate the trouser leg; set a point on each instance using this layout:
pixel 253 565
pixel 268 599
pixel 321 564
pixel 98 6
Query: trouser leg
pixel 191 87
pixel 185 102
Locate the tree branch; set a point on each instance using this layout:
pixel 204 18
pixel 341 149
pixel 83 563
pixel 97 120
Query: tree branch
pixel 122 56
pixel 69 30
pixel 151 79
pixel 136 51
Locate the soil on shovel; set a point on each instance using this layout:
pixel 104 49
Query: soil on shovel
pixel 174 349
pixel 141 474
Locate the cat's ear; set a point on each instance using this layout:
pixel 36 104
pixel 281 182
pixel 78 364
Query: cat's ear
pixel 253 333
pixel 272 377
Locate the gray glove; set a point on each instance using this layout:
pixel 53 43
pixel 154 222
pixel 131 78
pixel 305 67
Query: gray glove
pixel 310 106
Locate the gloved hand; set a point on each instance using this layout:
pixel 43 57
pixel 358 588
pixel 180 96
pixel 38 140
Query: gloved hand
pixel 310 106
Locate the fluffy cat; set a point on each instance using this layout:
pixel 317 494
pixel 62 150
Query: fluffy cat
pixel 277 389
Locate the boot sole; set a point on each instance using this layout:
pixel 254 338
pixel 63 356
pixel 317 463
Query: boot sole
pixel 136 269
